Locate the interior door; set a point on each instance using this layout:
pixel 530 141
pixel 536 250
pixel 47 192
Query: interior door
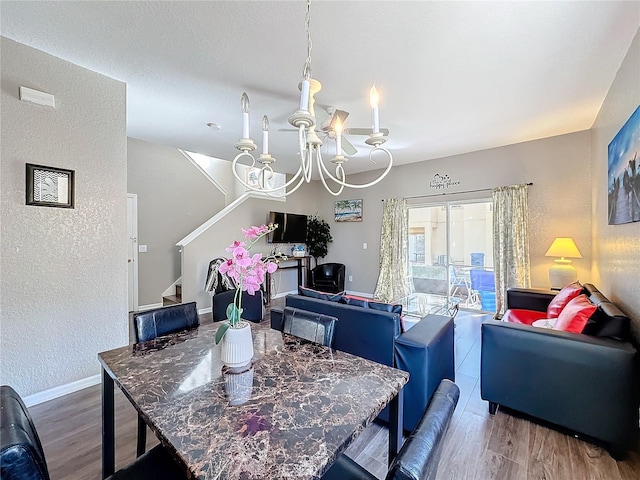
pixel 132 250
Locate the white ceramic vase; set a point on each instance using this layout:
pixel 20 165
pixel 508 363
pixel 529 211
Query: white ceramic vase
pixel 237 346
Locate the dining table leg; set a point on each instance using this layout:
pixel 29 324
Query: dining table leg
pixel 396 421
pixel 108 426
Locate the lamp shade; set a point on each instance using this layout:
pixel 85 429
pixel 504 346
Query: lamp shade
pixel 563 247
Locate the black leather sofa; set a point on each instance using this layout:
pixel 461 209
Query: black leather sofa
pixel 425 351
pixel 22 456
pixel 586 383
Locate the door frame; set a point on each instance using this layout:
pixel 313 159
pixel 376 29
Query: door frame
pixel 133 239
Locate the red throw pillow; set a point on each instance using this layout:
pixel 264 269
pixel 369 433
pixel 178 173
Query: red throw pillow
pixel 562 298
pixel 575 314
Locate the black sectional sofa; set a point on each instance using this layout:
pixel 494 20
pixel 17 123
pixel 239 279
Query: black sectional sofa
pixel 425 350
pixel 586 383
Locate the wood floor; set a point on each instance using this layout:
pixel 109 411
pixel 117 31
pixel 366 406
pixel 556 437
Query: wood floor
pixel 478 446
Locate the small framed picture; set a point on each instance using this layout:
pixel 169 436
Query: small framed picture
pixel 49 186
pixel 348 210
pixel 253 177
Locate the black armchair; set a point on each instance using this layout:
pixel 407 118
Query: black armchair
pixel 328 277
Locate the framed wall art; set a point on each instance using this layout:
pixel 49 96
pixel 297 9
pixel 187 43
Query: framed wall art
pixel 49 186
pixel 623 169
pixel 348 211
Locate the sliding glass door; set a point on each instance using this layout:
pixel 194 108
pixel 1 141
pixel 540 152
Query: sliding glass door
pixel 451 251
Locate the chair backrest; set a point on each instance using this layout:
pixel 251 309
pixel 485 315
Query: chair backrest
pixel 328 269
pixel 419 457
pixel 21 454
pixel 252 305
pixel 315 327
pixel 165 320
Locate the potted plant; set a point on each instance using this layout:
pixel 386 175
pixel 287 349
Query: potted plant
pixel 248 272
pixel 318 237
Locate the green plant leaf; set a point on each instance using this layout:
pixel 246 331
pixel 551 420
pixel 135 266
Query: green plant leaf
pixel 234 313
pixel 222 329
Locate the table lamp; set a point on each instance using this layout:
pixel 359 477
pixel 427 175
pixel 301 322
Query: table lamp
pixel 562 273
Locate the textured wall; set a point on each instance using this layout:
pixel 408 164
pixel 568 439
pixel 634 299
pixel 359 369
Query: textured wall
pixel 64 271
pixel 616 248
pixel 174 198
pixel 559 201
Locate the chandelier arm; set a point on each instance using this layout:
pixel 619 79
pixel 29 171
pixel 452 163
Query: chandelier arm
pixel 370 184
pixel 324 182
pixel 253 188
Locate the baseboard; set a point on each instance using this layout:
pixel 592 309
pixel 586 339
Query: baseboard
pixel 56 392
pixel 202 311
pixel 151 306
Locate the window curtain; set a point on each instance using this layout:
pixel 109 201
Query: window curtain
pixel 392 280
pixel 510 241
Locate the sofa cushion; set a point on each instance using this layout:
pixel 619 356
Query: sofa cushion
pixel 355 301
pixel 385 307
pixel 562 298
pixel 525 317
pixel 575 314
pixel 309 292
pixel 608 321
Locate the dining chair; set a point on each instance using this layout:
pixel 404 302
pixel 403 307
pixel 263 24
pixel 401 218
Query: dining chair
pixel 157 322
pixel 419 456
pixel 315 327
pixel 150 324
pixel 252 305
pixel 22 456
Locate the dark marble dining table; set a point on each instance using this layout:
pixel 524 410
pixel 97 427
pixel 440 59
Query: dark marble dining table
pixel 289 415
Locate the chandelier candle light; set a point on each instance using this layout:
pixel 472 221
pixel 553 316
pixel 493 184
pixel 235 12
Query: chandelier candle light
pixel 308 141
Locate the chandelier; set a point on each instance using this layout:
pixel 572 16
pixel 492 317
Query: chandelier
pixel 309 144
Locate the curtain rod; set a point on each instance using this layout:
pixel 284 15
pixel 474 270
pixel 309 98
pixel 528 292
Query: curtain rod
pixel 455 193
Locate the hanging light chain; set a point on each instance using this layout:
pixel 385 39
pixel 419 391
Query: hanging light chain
pixel 307 26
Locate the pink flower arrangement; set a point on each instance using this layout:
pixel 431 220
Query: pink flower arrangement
pixel 248 271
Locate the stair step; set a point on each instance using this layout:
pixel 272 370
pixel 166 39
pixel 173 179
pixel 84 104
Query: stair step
pixel 171 300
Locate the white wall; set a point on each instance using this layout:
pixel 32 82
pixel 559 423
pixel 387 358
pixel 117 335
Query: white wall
pixel 63 271
pixel 616 248
pixel 174 198
pixel 559 200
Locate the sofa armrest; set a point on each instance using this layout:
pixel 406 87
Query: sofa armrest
pixel 277 318
pixel 529 299
pixel 586 384
pixel 425 351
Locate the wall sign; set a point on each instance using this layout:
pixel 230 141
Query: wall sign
pixel 440 182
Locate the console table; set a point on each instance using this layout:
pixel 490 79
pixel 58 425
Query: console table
pixel 303 264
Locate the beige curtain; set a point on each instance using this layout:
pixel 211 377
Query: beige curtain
pixel 392 280
pixel 510 241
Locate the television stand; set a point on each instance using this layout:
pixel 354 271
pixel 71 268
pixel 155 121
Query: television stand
pixel 302 265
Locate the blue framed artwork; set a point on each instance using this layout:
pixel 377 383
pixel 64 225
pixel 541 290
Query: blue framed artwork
pixel 624 173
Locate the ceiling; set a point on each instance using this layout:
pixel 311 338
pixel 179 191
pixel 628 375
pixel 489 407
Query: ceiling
pixel 453 77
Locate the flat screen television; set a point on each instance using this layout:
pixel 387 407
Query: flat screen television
pixel 292 228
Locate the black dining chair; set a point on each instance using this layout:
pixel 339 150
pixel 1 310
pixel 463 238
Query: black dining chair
pixel 157 322
pixel 150 324
pixel 22 456
pixel 252 305
pixel 328 277
pixel 315 327
pixel 419 456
